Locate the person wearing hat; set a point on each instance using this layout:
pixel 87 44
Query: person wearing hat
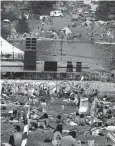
pixel 16 138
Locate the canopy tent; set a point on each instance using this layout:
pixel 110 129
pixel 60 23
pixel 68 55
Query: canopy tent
pixel 87 23
pixel 8 49
pixel 67 30
pixel 6 20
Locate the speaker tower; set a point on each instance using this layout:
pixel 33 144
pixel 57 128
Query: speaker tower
pixel 30 54
pixel 78 66
pixel 69 66
pixel 50 66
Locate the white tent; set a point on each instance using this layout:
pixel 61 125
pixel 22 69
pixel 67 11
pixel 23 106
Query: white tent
pixel 7 48
pixel 87 23
pixel 6 20
pixel 67 30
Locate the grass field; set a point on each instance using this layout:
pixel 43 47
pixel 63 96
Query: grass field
pixel 89 54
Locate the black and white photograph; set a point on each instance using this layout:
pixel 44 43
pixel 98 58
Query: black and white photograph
pixel 57 73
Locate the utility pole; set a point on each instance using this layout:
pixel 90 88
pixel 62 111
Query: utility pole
pixel 61 46
pixel 61 49
pixel 92 32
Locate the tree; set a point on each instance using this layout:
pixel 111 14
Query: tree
pixel 8 13
pixel 22 25
pixel 41 7
pixel 5 31
pixel 105 11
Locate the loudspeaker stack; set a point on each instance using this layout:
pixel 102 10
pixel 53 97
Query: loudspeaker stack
pixel 30 54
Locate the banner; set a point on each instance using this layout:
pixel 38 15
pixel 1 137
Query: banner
pixel 88 86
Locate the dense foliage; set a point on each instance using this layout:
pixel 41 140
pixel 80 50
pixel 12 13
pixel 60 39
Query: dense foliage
pixel 22 25
pixel 10 10
pixel 106 10
pixel 41 7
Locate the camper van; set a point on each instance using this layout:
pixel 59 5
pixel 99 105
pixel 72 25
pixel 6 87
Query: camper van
pixel 56 14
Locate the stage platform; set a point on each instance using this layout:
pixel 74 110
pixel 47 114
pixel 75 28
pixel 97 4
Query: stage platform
pixel 18 66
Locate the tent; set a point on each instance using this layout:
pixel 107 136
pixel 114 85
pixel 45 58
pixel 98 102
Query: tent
pixel 67 30
pixel 87 23
pixel 6 20
pixel 7 48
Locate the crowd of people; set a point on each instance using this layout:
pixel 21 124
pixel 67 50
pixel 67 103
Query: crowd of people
pixel 98 115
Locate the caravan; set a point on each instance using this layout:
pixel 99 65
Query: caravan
pixel 56 14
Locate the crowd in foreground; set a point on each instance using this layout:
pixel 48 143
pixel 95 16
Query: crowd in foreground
pixel 99 116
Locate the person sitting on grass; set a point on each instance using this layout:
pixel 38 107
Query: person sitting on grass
pixel 44 105
pixel 59 119
pixel 109 114
pixel 11 116
pixel 77 118
pixel 71 99
pixel 43 121
pixel 105 109
pixel 33 125
pixel 15 113
pixel 16 138
pixel 57 135
pixel 82 121
pixel 69 140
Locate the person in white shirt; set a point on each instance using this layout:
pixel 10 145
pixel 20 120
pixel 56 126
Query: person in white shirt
pixel 44 106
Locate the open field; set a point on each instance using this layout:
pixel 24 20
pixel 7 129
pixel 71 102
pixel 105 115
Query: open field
pixel 89 54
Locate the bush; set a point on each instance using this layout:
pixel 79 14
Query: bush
pixel 22 26
pixel 10 16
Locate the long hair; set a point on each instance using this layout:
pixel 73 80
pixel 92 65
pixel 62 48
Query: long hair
pixel 59 128
pixel 73 134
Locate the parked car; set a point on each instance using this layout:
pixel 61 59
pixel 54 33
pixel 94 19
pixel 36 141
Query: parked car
pixel 56 14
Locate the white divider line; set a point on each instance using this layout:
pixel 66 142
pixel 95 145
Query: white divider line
pixel 26 128
pixel 13 105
